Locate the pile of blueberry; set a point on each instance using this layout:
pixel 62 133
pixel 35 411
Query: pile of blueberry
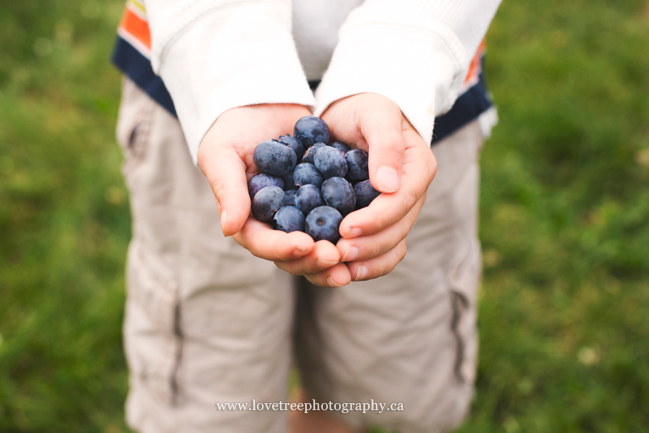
pixel 330 181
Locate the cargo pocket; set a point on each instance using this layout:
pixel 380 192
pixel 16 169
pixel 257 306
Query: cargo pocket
pixel 464 282
pixel 134 126
pixel 153 332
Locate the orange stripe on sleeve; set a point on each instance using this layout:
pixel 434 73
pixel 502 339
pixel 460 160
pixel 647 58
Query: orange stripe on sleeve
pixel 137 27
pixel 474 68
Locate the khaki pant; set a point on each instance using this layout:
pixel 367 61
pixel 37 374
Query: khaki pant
pixel 207 322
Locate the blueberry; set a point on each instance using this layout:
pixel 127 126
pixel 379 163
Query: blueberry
pixel 289 197
pixel 266 202
pixel 330 162
pixel 294 144
pixel 342 147
pixel 308 198
pixel 339 194
pixel 309 155
pixel 365 193
pixel 289 219
pixel 357 165
pixel 307 174
pixel 263 180
pixel 274 158
pixel 323 223
pixel 310 130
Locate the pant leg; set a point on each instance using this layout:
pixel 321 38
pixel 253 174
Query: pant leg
pixel 205 321
pixel 409 336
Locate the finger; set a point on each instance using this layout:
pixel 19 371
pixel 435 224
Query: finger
pixel 336 276
pixel 226 173
pixel 368 247
pixel 378 266
pixel 418 171
pixel 275 245
pixel 323 256
pixel 381 128
pixel 342 116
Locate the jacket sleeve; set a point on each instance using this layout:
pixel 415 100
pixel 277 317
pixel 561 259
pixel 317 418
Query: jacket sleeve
pixel 414 52
pixel 214 55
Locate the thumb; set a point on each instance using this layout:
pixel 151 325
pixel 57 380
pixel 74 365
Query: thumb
pixel 381 128
pixel 226 173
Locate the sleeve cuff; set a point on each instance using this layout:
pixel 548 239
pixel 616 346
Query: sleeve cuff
pixel 413 60
pixel 232 57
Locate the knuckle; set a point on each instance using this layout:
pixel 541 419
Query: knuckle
pixel 402 249
pixel 374 249
pixel 201 155
pixel 393 258
pixel 405 224
pixel 431 163
pixel 383 220
pixel 399 253
pixel 217 187
pixel 291 267
pixel 391 148
pixel 390 260
pixel 385 268
pixel 393 141
pixel 411 198
pixel 316 278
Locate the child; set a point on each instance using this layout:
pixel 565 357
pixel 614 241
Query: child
pixel 209 323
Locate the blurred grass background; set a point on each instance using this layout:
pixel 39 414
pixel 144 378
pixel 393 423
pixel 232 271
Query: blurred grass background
pixel 564 205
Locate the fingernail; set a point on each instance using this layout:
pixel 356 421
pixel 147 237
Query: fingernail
pixel 361 272
pixel 351 254
pixel 353 232
pixel 303 249
pixel 332 283
pixel 297 252
pixel 327 262
pixel 224 218
pixel 387 179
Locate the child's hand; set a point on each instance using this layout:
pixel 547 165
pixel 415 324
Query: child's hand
pixel 225 157
pixel 401 166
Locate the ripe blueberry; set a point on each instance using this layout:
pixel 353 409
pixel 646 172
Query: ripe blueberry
pixel 309 155
pixel 330 162
pixel 262 180
pixel 357 165
pixel 266 202
pixel 273 157
pixel 310 130
pixel 339 194
pixel 308 198
pixel 294 144
pixel 288 219
pixel 323 223
pixel 307 174
pixel 365 193
pixel 342 147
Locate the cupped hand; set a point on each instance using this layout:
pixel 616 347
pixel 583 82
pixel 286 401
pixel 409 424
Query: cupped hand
pixel 226 158
pixel 401 167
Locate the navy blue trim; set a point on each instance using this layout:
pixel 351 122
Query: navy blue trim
pixel 138 68
pixel 467 107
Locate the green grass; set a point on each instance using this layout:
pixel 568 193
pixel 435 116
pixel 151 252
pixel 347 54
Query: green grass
pixel 564 220
pixel 64 220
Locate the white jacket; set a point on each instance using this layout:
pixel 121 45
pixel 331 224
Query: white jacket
pixel 214 55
